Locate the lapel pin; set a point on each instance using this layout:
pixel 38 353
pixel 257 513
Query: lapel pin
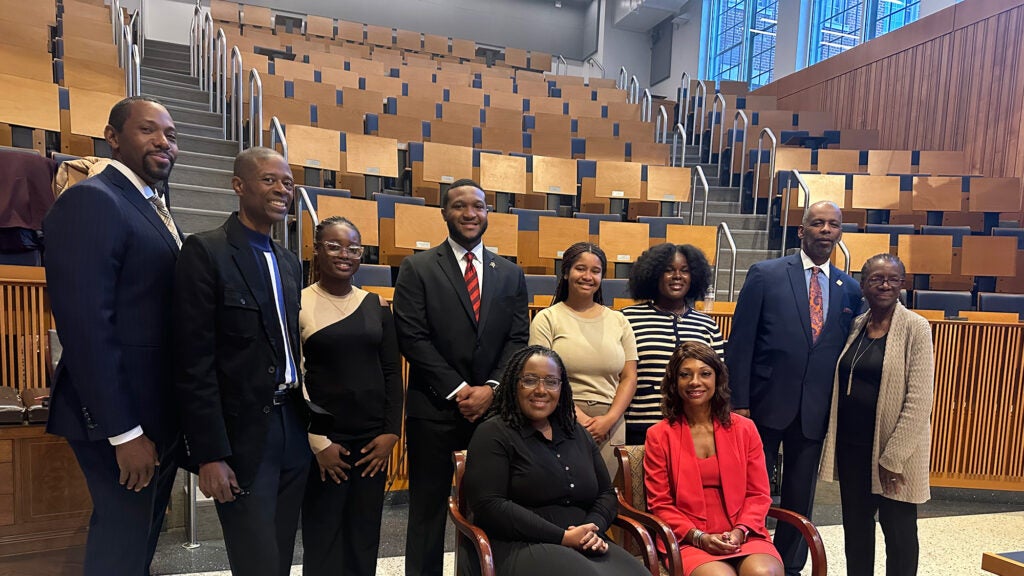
pixel 839 282
pixel 492 264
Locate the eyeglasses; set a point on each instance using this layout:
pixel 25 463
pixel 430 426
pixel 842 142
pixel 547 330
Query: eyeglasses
pixel 877 281
pixel 530 382
pixel 335 249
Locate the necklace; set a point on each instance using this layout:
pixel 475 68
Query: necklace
pixel 346 307
pixel 675 315
pixel 858 355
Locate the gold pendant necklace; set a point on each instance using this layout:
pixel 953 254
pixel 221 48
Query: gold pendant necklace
pixel 330 299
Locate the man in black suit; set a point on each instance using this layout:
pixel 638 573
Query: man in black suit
pixel 791 322
pixel 110 252
pixel 236 339
pixel 459 319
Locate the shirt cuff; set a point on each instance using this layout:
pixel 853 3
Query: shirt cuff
pixel 126 437
pixel 318 443
pixel 456 391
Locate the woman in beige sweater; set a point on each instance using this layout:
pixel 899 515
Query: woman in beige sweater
pixel 879 436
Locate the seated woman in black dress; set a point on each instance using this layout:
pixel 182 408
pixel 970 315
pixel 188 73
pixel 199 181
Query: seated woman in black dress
pixel 535 481
pixel 352 370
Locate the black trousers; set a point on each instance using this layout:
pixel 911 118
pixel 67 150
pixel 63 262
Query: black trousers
pixel 125 525
pixel 430 445
pixel 800 459
pixel 260 525
pixel 898 519
pixel 341 522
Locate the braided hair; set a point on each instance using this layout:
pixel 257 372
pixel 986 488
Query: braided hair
pixel 318 232
pixel 506 398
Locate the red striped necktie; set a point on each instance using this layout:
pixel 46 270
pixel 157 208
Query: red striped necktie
pixel 473 285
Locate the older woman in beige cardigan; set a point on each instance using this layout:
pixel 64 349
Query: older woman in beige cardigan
pixel 878 438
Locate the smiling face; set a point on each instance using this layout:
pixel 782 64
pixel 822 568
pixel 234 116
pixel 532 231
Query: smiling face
pixel 147 143
pixel 821 230
pixel 334 252
pixel 466 215
pixel 881 282
pixel 539 402
pixel 674 282
pixel 695 384
pixel 265 190
pixel 584 276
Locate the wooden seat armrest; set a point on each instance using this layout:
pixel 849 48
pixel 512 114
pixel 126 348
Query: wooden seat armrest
pixel 810 534
pixel 643 538
pixel 659 528
pixel 475 535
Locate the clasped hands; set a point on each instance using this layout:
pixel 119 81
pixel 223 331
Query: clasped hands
pixel 724 543
pixel 586 538
pixel 377 451
pixel 474 401
pixel 598 426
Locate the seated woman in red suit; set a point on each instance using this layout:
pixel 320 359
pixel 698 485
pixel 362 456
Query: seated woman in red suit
pixel 704 471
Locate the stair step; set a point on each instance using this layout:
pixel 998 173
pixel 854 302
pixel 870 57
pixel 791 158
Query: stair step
pixel 193 116
pixel 192 220
pixel 736 221
pixel 201 176
pixel 200 130
pixel 189 158
pixel 155 88
pixel 750 239
pixel 182 81
pixel 186 78
pixel 151 61
pixel 168 54
pixel 203 106
pixel 202 197
pixel 204 145
pixel 167 46
pixel 722 207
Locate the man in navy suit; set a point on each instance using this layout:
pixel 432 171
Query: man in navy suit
pixel 110 253
pixel 790 324
pixel 460 314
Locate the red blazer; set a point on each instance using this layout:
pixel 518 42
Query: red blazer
pixel 674 490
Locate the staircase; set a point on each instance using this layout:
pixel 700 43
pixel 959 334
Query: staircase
pixel 201 195
pixel 748 230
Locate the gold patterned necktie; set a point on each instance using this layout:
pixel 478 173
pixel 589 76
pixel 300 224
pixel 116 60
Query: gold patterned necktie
pixel 816 304
pixel 165 215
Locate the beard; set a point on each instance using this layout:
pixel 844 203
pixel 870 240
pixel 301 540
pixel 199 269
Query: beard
pixel 463 240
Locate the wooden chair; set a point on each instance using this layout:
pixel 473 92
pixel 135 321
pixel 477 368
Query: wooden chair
pixel 458 511
pixel 633 504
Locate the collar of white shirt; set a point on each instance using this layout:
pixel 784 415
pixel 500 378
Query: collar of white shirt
pixel 808 264
pixel 132 177
pixel 460 252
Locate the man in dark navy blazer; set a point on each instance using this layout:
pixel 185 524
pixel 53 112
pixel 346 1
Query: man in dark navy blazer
pixel 456 357
pixel 236 343
pixel 110 258
pixel 780 373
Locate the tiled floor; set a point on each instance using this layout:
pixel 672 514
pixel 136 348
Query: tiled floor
pixel 954 529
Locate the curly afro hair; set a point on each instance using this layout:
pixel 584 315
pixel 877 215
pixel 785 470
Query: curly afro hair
pixel 647 271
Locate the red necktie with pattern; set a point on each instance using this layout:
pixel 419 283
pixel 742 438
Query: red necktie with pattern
pixel 816 305
pixel 473 285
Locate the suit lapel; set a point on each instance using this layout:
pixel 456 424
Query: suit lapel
pixel 729 464
pixel 799 284
pixel 450 268
pixel 835 298
pixel 688 480
pixel 140 203
pixel 490 286
pixel 253 272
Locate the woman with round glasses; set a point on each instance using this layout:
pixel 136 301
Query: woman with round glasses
pixel 352 370
pixel 878 439
pixel 670 277
pixel 535 481
pixel 597 345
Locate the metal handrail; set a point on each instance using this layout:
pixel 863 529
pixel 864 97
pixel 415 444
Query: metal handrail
pixel 646 104
pixel 757 168
pixel 784 216
pixel 565 65
pixel 693 197
pixel 237 95
pixel 723 227
pixel 743 153
pixel 720 118
pixel 211 56
pixel 634 91
pixel 137 69
pixel 221 87
pixel 302 203
pixel 623 79
pixel 661 126
pixel 255 110
pixel 126 59
pixel 142 28
pixel 683 98
pixel 193 42
pixel 277 137
pixel 591 62
pixel 846 256
pixel 679 131
pixel 702 93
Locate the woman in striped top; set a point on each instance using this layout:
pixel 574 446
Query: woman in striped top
pixel 670 277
